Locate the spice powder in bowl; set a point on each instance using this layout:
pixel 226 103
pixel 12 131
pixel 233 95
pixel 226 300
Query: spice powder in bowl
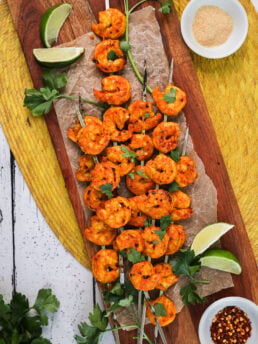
pixel 212 26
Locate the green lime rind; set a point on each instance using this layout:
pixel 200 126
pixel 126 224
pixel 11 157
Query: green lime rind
pixel 221 259
pixel 57 57
pixel 52 21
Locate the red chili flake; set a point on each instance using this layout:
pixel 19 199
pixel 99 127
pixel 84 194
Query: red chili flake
pixel 231 325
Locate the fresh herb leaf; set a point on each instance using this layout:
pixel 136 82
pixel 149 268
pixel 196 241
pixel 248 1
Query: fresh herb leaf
pixel 140 173
pixel 165 6
pixel 126 302
pixel 39 102
pixel 147 223
pixel 125 46
pixel 161 233
pixel 175 155
pixel 135 256
pixel 54 80
pixel 170 97
pixel 40 341
pixel 98 319
pixel 146 115
pixel 107 190
pixel 112 56
pixel 131 175
pixel 91 335
pixel 189 294
pixel 128 153
pixel 165 221
pixel 160 309
pixel 173 186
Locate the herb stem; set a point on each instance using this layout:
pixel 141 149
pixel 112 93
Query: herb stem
pixel 84 99
pixel 200 281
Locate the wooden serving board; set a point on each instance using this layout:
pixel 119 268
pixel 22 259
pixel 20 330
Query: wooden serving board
pixel 26 16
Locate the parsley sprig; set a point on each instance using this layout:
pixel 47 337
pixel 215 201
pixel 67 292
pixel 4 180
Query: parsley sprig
pixel 22 323
pixel 186 263
pixel 170 97
pixel 165 221
pixel 107 190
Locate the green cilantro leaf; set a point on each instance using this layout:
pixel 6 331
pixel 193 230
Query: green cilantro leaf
pixel 173 186
pixel 160 309
pixel 186 263
pixel 19 306
pixel 135 256
pixel 131 175
pixel 146 115
pixel 165 221
pixel 189 294
pixel 175 155
pixel 97 318
pixel 125 46
pixel 140 173
pixel 46 301
pixel 165 6
pixel 40 341
pixel 170 97
pixel 107 190
pixel 39 102
pixel 126 302
pixel 161 233
pixel 128 153
pixel 91 335
pixel 54 80
pixel 112 56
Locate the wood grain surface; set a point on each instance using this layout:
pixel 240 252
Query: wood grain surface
pixel 26 15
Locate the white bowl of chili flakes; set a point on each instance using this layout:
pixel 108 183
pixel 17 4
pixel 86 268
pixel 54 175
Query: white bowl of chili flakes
pixel 249 315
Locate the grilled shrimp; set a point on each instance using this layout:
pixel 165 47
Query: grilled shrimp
pixel 115 121
pixel 92 138
pixel 185 171
pixel 86 164
pixel 165 136
pixel 137 219
pixel 105 266
pixel 116 90
pixel 167 277
pixel 143 276
pixel 116 156
pixel 105 173
pixel 112 24
pixel 138 182
pixel 181 206
pixel 93 198
pixel 142 145
pixel 177 238
pixel 99 233
pixel 156 203
pixel 170 308
pixel 73 131
pixel 108 56
pixel 154 247
pixel 171 101
pixel 142 117
pixel 129 238
pixel 116 212
pixel 162 169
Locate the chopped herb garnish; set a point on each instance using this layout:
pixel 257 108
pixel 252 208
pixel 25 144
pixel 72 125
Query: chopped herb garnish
pixel 107 190
pixel 160 309
pixel 173 186
pixel 170 97
pixel 140 173
pixel 134 256
pixel 131 175
pixel 175 155
pixel 127 153
pixel 165 221
pixel 146 115
pixel 165 6
pixel 112 56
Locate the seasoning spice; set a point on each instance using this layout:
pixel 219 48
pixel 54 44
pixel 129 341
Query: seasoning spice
pixel 212 26
pixel 230 325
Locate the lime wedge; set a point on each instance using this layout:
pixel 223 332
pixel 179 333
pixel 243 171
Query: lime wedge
pixel 52 21
pixel 57 57
pixel 209 235
pixel 221 260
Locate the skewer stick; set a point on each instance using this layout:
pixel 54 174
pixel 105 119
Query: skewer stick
pixel 107 4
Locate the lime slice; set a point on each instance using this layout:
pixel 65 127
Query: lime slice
pixel 221 260
pixel 52 21
pixel 209 235
pixel 57 57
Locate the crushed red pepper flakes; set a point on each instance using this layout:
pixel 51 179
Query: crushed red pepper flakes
pixel 231 325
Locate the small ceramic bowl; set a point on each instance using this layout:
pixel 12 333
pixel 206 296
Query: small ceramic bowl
pixel 249 307
pixel 236 38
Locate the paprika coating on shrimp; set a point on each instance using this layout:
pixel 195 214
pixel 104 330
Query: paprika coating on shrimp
pixel 143 276
pixel 112 24
pixel 138 182
pixel 156 204
pixel 108 56
pixel 162 169
pixel 92 138
pixel 154 247
pixel 86 164
pixel 170 101
pixel 137 219
pixel 116 90
pixel 115 121
pixel 142 117
pixel 142 145
pixel 177 238
pixel 105 173
pixel 165 136
pixel 93 198
pixel 99 233
pixel 181 206
pixel 116 156
pixel 167 277
pixel 115 212
pixel 129 238
pixel 105 267
pixel 73 131
pixel 170 309
pixel 185 171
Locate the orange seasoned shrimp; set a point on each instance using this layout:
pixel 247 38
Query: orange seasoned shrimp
pixel 156 203
pixel 165 136
pixel 129 238
pixel 112 24
pixel 162 169
pixel 142 145
pixel 92 138
pixel 93 198
pixel 143 276
pixel 170 308
pixel 186 171
pixel 105 173
pixel 136 219
pixel 142 117
pixel 115 121
pixel 171 101
pixel 116 90
pixel 116 156
pixel 167 277
pixel 108 56
pixel 116 212
pixel 99 233
pixel 154 247
pixel 105 266
pixel 177 237
pixel 181 206
pixel 138 182
pixel 86 163
pixel 73 132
